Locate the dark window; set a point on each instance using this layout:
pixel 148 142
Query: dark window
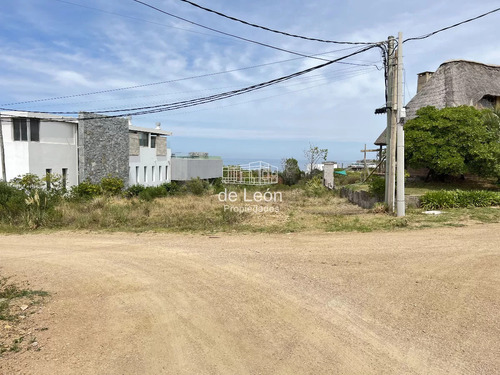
pixel 48 173
pixel 34 129
pixel 153 142
pixel 143 139
pixel 64 177
pixel 20 129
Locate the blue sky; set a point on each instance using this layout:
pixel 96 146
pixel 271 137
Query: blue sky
pixel 53 48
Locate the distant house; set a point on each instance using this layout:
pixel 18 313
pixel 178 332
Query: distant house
pixel 196 165
pixel 455 83
pixel 88 148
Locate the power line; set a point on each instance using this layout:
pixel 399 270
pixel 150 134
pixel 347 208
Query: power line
pixel 133 18
pixel 269 29
pixel 298 81
pixel 229 34
pixel 179 79
pixel 203 100
pixel 451 26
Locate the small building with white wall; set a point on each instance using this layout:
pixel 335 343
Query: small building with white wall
pixel 196 165
pixel 40 144
pixel 149 156
pixel 88 148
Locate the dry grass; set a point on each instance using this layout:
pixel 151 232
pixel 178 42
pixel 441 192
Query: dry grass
pixel 296 212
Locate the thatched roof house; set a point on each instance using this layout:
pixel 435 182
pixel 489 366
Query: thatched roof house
pixel 455 83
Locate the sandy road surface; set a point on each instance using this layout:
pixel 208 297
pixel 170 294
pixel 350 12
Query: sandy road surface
pixel 426 303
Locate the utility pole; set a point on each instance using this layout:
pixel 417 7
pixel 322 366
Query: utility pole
pixel 390 148
pixel 2 152
pixel 400 194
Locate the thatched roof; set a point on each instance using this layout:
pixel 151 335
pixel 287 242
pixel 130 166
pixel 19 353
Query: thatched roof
pixel 455 83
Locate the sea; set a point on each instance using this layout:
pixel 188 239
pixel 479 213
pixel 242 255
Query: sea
pixel 277 162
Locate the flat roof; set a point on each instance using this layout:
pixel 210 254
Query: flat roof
pixel 39 115
pixel 148 130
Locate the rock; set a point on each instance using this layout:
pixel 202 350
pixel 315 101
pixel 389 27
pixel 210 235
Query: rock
pixel 34 344
pixel 23 307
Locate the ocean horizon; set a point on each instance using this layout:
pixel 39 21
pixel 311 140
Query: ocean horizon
pixel 277 162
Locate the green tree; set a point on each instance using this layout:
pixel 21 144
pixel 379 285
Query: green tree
pixel 454 141
pixel 291 172
pixel 313 155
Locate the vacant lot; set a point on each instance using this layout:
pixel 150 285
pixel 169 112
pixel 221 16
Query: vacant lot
pixel 413 302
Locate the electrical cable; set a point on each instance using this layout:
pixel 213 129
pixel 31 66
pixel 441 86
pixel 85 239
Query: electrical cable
pixel 269 29
pixel 451 26
pixel 180 79
pixel 203 100
pixel 229 34
pixel 344 72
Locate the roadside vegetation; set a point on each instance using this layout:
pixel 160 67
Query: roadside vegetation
pixel 17 303
pixel 199 206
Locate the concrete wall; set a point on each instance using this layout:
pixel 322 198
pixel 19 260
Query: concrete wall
pixel 56 150
pixel 328 175
pixel 185 169
pixel 361 198
pixel 103 147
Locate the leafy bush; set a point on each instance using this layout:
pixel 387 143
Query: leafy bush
pixel 197 186
pixel 134 190
pixel 314 187
pixel 459 198
pixel 151 192
pixel 171 187
pixel 12 202
pixel 112 185
pixel 85 190
pixel 377 187
pixel 217 185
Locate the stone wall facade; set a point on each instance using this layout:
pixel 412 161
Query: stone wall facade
pixel 161 146
pixel 103 147
pixel 134 148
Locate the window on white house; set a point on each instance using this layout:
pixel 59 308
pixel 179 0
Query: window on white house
pixel 64 177
pixel 153 141
pixel 153 173
pixel 21 127
pixel 160 177
pixel 48 173
pixel 136 175
pixel 34 130
pixel 144 139
pixel 145 174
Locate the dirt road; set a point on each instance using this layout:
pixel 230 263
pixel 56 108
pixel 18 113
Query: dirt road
pixel 410 302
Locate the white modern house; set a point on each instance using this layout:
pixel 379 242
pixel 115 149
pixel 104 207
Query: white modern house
pixel 149 156
pixel 88 148
pixel 40 144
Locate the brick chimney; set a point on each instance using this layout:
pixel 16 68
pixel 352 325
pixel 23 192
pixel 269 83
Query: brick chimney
pixel 423 78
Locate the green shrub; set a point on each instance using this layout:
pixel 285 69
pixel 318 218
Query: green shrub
pixel 376 187
pixel 459 198
pixel 217 186
pixel 197 186
pixel 135 190
pixel 151 192
pixel 112 185
pixel 28 182
pixel 12 202
pixel 85 190
pixel 171 188
pixel 314 187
